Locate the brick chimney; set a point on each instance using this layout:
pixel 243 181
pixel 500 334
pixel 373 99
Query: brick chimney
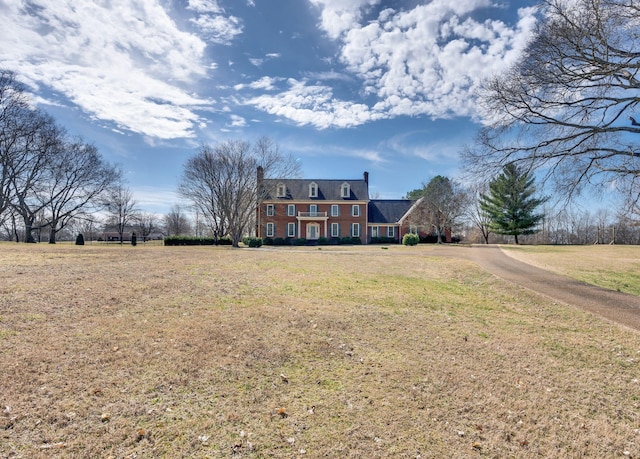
pixel 366 178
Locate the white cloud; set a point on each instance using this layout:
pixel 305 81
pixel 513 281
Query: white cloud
pixel 338 16
pixel 237 121
pixel 205 6
pixel 425 61
pixel 217 28
pixel 313 105
pixel 127 63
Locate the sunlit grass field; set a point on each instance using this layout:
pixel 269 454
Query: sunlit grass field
pixel 616 267
pixel 150 351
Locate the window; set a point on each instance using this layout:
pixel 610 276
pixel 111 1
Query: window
pixel 282 190
pixel 335 230
pixel 345 190
pixel 271 229
pixel 291 210
pixel 391 231
pixel 313 190
pixel 413 229
pixel 375 231
pixel 355 210
pixel 355 229
pixel 335 210
pixel 270 210
pixel 313 210
pixel 291 230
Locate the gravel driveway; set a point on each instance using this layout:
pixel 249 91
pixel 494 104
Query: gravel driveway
pixel 618 307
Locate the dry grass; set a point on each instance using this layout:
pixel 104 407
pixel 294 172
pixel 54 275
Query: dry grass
pixel 206 352
pixel 616 267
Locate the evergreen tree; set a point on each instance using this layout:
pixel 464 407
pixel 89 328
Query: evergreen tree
pixel 510 203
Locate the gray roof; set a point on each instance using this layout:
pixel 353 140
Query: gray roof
pixel 328 190
pixel 388 210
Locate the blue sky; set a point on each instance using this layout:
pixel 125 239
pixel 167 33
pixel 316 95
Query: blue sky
pixel 346 86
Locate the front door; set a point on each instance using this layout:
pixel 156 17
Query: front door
pixel 313 230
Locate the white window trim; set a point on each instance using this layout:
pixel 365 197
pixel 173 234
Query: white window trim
pixel 291 210
pixel 345 190
pixel 391 231
pixel 335 230
pixel 281 190
pixel 291 230
pixel 313 210
pixel 355 229
pixel 270 230
pixel 335 207
pixel 313 190
pixel 271 210
pixel 375 231
pixel 355 210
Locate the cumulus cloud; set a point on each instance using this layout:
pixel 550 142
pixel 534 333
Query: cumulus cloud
pixel 127 64
pixel 313 105
pixel 338 16
pixel 425 61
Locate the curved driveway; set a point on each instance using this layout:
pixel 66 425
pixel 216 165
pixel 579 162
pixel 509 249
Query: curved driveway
pixel 615 306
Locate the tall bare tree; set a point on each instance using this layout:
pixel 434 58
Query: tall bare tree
pixel 121 208
pixel 221 182
pixel 176 222
pixel 28 168
pixel 15 122
pixel 568 107
pixel 77 177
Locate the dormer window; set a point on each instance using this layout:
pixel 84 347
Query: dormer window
pixel 313 190
pixel 345 190
pixel 281 191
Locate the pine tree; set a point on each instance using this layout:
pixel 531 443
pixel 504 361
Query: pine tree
pixel 510 203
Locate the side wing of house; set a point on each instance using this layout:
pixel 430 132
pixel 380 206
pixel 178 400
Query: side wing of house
pixel 388 219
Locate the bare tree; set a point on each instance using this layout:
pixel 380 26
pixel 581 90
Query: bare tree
pixel 221 182
pixel 441 206
pixel 567 107
pixel 474 212
pixel 28 168
pixel 147 223
pixel 16 122
pixel 121 208
pixel 76 179
pixel 176 222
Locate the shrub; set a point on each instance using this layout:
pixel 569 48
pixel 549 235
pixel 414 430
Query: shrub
pixel 323 241
pixel 134 239
pixel 80 239
pixel 383 240
pixel 279 241
pixel 253 241
pixel 225 240
pixel 268 241
pixel 301 241
pixel 410 239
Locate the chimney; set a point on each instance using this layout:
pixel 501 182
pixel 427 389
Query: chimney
pixel 366 178
pixel 260 176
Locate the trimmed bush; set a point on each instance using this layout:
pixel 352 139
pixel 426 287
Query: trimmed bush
pixel 253 241
pixel 410 239
pixel 80 239
pixel 134 239
pixel 301 241
pixel 384 240
pixel 188 240
pixel 323 241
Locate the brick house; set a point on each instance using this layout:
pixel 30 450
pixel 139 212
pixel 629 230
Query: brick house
pixel 331 209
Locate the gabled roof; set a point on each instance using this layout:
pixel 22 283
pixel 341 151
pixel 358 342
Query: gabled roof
pixel 328 190
pixel 389 210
